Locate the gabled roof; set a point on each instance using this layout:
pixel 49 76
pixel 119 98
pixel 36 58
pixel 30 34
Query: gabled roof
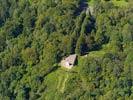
pixel 71 59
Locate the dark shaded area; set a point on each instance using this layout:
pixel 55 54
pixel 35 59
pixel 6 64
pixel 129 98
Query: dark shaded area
pixel 17 31
pixel 1 22
pixel 82 6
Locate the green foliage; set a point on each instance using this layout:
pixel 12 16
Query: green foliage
pixel 80 46
pixel 51 54
pixel 2 43
pixel 35 35
pixel 30 56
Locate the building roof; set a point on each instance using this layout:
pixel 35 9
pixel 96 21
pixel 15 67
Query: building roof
pixel 71 59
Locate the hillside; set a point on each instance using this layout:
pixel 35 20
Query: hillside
pixel 35 35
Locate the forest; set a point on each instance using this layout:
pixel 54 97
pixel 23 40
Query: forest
pixel 35 35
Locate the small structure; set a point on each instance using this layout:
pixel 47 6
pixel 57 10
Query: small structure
pixel 69 62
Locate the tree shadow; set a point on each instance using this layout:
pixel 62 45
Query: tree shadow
pixel 82 6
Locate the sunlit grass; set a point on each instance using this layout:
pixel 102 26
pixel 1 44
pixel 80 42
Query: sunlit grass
pixel 120 3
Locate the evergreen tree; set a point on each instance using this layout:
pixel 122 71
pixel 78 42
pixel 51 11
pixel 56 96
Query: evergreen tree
pixel 80 46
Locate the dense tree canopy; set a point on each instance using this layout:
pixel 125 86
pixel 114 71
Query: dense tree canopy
pixel 36 34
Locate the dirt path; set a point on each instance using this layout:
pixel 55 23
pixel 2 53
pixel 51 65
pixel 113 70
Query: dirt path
pixel 62 82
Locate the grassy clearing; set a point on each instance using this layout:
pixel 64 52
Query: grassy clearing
pixel 92 2
pixel 57 80
pixel 120 3
pixel 63 83
pixel 97 53
pixel 62 78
